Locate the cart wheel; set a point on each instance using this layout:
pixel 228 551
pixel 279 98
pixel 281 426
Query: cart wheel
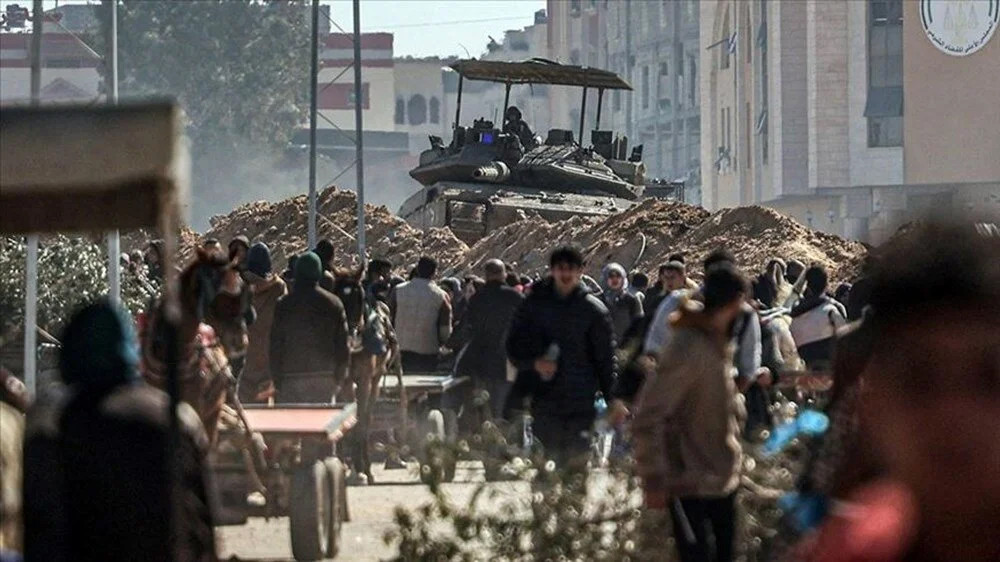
pixel 493 469
pixel 309 511
pixel 434 426
pixel 333 464
pixel 450 425
pixel 445 469
pixel 338 503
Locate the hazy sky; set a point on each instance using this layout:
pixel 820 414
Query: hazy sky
pixel 421 27
pixel 439 27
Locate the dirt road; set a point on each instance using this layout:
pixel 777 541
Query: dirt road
pixel 371 512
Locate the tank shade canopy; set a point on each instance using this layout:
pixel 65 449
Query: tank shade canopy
pixel 539 71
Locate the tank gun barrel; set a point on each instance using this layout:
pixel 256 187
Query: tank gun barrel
pixel 494 172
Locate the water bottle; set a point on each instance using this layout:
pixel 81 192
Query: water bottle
pixel 603 432
pixel 551 354
pixel 808 422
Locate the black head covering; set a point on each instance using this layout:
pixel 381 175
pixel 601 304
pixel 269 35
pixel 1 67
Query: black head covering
pixel 99 347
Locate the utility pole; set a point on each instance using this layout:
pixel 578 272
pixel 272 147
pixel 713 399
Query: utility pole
pixel 114 241
pixel 358 107
pixel 313 86
pixel 737 154
pixel 31 268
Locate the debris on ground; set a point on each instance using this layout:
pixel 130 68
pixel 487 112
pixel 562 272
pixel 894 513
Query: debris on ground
pixel 645 236
pixel 283 227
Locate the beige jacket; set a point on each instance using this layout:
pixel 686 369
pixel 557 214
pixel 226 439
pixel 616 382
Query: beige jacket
pixel 421 314
pixel 686 431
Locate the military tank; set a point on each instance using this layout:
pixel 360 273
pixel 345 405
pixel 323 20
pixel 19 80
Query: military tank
pixel 490 176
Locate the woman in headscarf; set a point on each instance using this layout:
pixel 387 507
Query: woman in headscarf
pixel 97 479
pixel 266 288
pixel 625 308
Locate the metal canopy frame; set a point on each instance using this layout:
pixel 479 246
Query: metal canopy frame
pixel 538 71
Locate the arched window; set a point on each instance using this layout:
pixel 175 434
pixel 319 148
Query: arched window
pixel 416 108
pixel 435 110
pixel 400 111
pixel 724 48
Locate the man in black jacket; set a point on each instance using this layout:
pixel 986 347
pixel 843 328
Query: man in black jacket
pixel 561 341
pixel 309 349
pixel 482 333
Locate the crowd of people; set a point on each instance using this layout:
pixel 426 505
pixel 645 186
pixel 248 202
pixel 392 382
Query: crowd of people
pixel 686 367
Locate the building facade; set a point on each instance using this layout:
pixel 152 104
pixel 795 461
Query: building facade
pixel 803 111
pixel 654 45
pixel 69 68
pixel 335 98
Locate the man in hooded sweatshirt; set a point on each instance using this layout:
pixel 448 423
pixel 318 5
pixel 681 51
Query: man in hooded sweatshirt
pixel 686 431
pixel 267 289
pixel 97 478
pixel 309 352
pixel 624 307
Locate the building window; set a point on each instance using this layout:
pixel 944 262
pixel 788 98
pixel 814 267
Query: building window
pixel 729 130
pixel 400 117
pixel 724 159
pixel 724 48
pixel 693 81
pixel 762 116
pixel 616 100
pixel 416 108
pixel 663 86
pixel 645 87
pixel 435 110
pixel 748 127
pixel 747 35
pixel 691 11
pixel 884 107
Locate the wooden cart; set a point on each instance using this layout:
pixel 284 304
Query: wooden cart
pixel 301 478
pixel 414 406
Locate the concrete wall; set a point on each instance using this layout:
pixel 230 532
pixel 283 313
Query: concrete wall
pixel 15 83
pixel 382 98
pixel 952 123
pixel 813 211
pixel 790 119
pixel 719 187
pixel 826 52
pixel 422 77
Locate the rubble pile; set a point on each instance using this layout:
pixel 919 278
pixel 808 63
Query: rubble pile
pixel 283 227
pixel 641 238
pixel 646 235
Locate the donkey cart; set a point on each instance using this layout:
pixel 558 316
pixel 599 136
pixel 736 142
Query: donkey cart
pixel 414 407
pixel 277 461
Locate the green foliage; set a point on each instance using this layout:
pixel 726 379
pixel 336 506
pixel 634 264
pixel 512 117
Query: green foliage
pixel 240 71
pixel 71 272
pixel 549 514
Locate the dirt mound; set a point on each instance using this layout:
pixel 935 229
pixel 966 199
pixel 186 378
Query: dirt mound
pixel 641 238
pixel 283 227
pixel 757 234
pixel 646 235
